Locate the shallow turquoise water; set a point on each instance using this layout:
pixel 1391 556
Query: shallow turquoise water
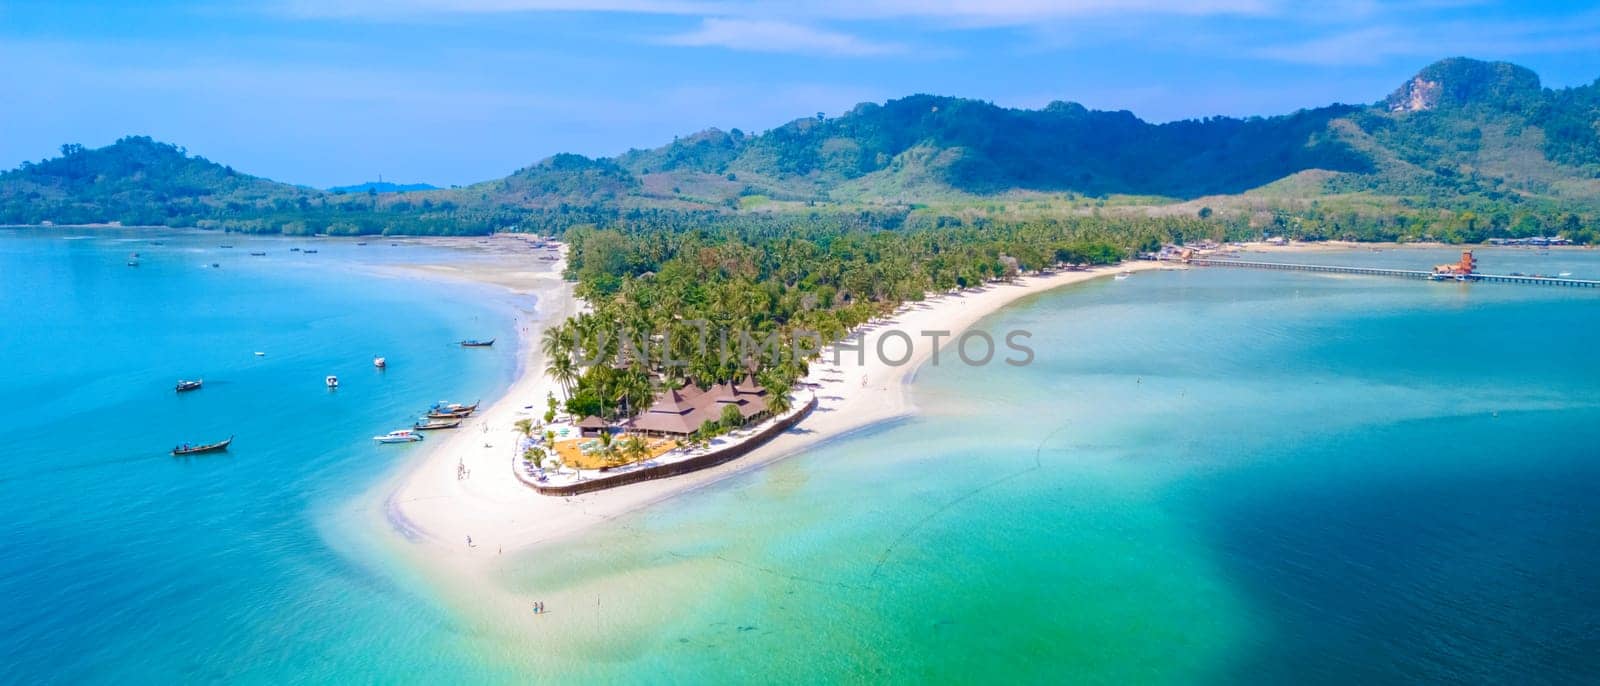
pixel 1206 476
pixel 1212 475
pixel 123 563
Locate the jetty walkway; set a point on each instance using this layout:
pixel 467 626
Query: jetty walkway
pixel 1399 273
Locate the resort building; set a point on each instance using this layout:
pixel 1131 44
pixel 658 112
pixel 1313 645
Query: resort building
pixel 680 412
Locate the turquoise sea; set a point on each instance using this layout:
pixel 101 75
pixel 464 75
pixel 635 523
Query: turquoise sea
pixel 125 564
pixel 1207 476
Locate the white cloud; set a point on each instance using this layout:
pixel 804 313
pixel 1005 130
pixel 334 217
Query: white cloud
pixel 987 12
pixel 765 35
pixel 399 9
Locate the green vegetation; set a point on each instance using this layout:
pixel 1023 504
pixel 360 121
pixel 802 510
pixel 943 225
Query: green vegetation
pixel 670 301
pixel 1464 150
pixel 140 182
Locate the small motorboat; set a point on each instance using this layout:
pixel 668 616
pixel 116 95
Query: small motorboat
pixel 475 343
pixel 133 259
pixel 380 362
pixel 187 449
pixel 400 436
pixel 185 385
pixel 332 381
pixel 225 247
pixel 260 354
pixel 1122 276
pixel 294 250
pixel 434 426
pixel 361 242
pixel 1564 274
pixel 258 254
pixel 308 252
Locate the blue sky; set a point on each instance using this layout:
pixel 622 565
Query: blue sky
pixel 325 92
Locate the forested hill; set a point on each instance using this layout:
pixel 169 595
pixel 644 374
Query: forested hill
pixel 141 182
pixel 1459 127
pixel 1462 134
pixel 927 143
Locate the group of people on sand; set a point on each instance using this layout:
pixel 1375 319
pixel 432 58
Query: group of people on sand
pixel 538 607
pixel 461 469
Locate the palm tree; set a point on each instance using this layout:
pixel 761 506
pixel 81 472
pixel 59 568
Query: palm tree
pixel 564 371
pixel 525 427
pixel 777 388
pixel 634 388
pixel 635 449
pixel 555 342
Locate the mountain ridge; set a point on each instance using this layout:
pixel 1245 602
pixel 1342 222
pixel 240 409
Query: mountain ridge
pixel 1460 132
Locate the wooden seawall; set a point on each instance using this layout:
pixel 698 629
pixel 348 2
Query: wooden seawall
pixel 662 471
pixel 1399 273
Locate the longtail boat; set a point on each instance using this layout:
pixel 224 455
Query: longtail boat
pixel 442 410
pixel 475 343
pixel 219 446
pixel 434 426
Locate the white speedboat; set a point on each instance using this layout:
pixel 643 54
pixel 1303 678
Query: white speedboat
pixel 380 362
pixel 1123 275
pixel 332 381
pixel 401 436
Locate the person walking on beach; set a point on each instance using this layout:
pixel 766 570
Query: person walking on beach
pixel 469 541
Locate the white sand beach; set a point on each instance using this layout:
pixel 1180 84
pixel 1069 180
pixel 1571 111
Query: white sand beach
pixel 436 512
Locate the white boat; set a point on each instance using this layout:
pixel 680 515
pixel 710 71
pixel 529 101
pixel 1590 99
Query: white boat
pixel 379 362
pixel 1564 274
pixel 401 436
pixel 332 381
pixel 260 354
pixel 1123 275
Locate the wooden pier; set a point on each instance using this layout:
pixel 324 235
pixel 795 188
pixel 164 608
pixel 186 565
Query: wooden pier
pixel 1399 273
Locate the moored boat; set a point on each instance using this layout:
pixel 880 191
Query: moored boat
pixel 475 343
pixel 258 254
pixel 400 436
pixel 380 362
pixel 454 408
pixel 434 426
pixel 186 385
pixel 186 449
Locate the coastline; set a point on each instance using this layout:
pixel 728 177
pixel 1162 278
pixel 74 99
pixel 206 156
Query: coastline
pixel 430 513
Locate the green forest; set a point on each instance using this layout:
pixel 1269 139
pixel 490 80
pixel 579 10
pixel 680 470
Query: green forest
pixel 1464 151
pixel 696 289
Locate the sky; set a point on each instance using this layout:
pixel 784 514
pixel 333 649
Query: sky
pixel 330 92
